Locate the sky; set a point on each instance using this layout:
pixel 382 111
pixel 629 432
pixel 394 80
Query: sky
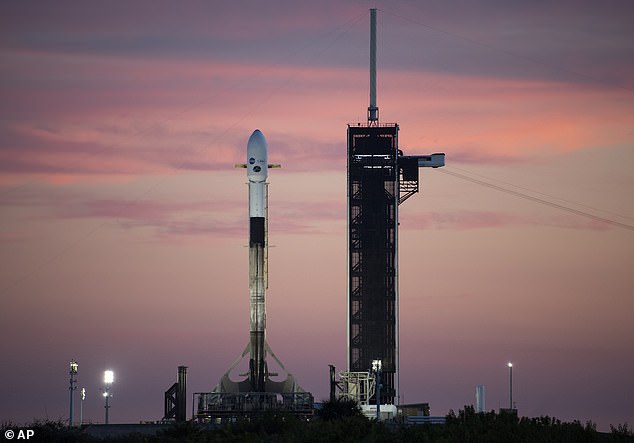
pixel 123 221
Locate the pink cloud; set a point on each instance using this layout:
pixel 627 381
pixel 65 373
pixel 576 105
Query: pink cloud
pixel 572 222
pixel 475 155
pixel 166 219
pixel 130 134
pixel 457 220
pixel 12 236
pixel 180 218
pixel 465 220
pixel 141 209
pixel 500 120
pixel 153 115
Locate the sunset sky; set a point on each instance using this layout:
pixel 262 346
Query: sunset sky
pixel 123 220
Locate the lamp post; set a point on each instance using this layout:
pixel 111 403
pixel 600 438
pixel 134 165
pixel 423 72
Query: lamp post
pixel 376 368
pixel 510 365
pixel 82 396
pixel 108 378
pixel 74 367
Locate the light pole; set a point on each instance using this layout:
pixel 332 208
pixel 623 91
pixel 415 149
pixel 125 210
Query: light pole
pixel 74 367
pixel 510 365
pixel 376 368
pixel 82 396
pixel 108 378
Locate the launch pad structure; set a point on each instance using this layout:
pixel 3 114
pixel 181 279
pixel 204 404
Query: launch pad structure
pixel 231 399
pixel 380 178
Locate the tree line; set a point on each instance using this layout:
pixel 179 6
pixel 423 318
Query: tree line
pixel 342 421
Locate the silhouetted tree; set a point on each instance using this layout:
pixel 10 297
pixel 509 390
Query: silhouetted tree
pixel 340 408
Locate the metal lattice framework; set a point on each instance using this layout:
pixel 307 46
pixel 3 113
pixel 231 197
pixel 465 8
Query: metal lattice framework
pixel 357 386
pixel 219 406
pixel 373 196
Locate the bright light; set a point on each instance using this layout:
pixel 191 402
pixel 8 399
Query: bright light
pixel 108 377
pixel 73 367
pixel 509 364
pixel 376 365
pixel 105 394
pixel 83 393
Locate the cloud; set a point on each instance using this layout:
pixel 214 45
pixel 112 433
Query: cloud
pixel 114 149
pixel 164 218
pixel 150 116
pixel 139 209
pixel 513 41
pixel 476 155
pixel 168 218
pixel 457 220
pixel 121 115
pixel 467 220
pixel 85 111
pixel 498 121
pixel 159 29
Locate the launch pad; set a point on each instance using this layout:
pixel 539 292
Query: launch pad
pixel 227 406
pixel 379 178
pixel 233 399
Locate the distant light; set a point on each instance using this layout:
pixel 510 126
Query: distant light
pixel 105 394
pixel 509 364
pixel 73 367
pixel 83 393
pixel 376 365
pixel 108 377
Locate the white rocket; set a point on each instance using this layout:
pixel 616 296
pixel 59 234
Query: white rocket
pixel 257 172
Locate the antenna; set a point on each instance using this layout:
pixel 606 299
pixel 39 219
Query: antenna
pixel 373 110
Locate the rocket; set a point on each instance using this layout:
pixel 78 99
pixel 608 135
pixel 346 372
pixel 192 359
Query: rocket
pixel 257 172
pixel 258 392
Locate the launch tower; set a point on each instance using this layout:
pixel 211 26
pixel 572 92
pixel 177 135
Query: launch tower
pixel 380 178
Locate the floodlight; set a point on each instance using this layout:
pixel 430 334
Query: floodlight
pixel 74 367
pixel 510 365
pixel 108 378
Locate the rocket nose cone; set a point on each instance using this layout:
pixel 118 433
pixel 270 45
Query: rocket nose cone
pixel 257 137
pixel 257 157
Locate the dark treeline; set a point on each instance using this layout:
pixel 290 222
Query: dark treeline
pixel 343 422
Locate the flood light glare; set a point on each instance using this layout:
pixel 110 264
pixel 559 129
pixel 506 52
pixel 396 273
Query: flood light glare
pixel 108 377
pixel 509 364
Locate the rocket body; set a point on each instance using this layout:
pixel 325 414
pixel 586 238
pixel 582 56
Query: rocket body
pixel 257 172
